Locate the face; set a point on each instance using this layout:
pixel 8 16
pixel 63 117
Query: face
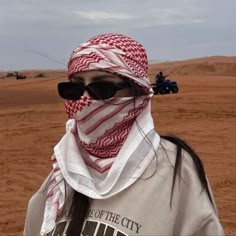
pixel 88 77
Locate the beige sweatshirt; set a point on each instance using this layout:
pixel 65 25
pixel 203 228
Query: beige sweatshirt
pixel 144 208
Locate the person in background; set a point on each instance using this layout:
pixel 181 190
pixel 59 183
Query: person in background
pixel 160 77
pixel 112 173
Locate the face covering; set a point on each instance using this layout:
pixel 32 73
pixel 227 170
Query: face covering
pixel 103 126
pixel 106 147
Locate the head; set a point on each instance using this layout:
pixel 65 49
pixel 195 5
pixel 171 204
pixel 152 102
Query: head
pixel 115 59
pixel 111 68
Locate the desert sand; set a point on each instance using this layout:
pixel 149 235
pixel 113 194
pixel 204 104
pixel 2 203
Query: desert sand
pixel 32 121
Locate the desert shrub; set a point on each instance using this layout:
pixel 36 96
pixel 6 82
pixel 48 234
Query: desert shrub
pixel 40 75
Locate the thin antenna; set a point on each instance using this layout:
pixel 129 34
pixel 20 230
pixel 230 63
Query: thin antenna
pixel 46 56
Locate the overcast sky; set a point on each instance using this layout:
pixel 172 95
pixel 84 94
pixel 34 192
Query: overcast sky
pixel 168 29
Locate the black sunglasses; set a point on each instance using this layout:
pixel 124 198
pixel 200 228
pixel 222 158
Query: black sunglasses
pixel 98 90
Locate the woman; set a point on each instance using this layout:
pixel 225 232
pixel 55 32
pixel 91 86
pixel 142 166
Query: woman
pixel 112 173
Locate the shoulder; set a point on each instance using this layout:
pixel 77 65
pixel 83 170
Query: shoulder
pixel 39 197
pixel 182 166
pixel 167 153
pixel 190 180
pixel 35 210
pixel 186 169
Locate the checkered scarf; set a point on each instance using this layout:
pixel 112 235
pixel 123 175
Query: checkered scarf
pixel 105 131
pixel 102 138
pixel 113 53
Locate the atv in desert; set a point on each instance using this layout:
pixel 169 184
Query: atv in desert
pixel 165 87
pixel 19 76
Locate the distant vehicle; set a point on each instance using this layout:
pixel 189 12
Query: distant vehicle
pixel 19 76
pixel 165 87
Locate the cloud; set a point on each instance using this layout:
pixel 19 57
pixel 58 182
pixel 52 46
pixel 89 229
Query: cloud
pixel 103 17
pixel 139 19
pixel 172 16
pixel 168 17
pixel 166 28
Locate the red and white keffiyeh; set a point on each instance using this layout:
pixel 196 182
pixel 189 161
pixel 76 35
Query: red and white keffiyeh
pixel 102 127
pixel 103 151
pixel 113 53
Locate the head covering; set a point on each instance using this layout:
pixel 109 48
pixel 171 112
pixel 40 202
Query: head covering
pixel 115 53
pixel 103 151
pixel 103 127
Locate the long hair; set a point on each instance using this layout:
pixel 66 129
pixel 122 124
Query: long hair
pixel 80 203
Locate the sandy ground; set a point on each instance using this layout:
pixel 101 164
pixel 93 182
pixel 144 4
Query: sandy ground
pixel 32 121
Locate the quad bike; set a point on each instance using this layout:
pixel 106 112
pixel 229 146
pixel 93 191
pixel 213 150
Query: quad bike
pixel 165 87
pixel 19 76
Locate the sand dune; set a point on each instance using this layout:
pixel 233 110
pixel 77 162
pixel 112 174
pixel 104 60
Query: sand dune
pixel 32 121
pixel 218 65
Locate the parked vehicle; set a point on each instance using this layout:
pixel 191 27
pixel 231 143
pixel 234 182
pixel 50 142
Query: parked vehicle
pixel 165 87
pixel 19 76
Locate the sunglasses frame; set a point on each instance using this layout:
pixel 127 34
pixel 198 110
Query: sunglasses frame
pixel 81 88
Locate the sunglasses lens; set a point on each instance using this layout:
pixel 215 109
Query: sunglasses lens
pixel 102 90
pixel 97 90
pixel 70 91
